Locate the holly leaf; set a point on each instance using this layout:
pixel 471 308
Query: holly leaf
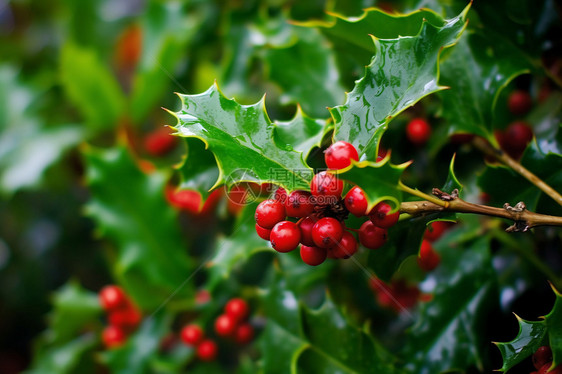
pixel 66 358
pixel 379 180
pixel 130 209
pixel 199 170
pixel 553 322
pixel 243 140
pixel 477 70
pixel 463 286
pixel 402 72
pixel 529 338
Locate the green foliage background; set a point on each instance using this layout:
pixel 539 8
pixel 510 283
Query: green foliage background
pixel 79 211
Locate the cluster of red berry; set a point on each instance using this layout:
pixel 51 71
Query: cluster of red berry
pixel 123 316
pixel 320 228
pixel 232 324
pixel 428 258
pixel 514 139
pixel 542 360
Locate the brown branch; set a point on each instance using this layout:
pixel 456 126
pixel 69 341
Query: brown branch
pixel 523 218
pixel 484 146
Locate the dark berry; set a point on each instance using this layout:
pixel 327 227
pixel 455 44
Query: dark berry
pixel 299 204
pixel 461 138
pixel 263 232
pixel 418 131
pixel 339 155
pixel 435 230
pixel 356 202
pixel 207 350
pixel 346 247
pixel 327 232
pixel 306 226
pixel 515 138
pixel 225 325
pixel 313 256
pixel 285 236
pixel 542 356
pixel 381 216
pixel 328 186
pixel 159 142
pixel 545 369
pixel 237 308
pixel 113 336
pixel 428 259
pixel 244 333
pixel 371 236
pixel 113 297
pixel 519 102
pixel 269 213
pixel 192 335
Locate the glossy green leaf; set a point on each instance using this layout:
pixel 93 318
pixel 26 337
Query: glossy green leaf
pixel 243 140
pixel 529 338
pixel 379 180
pixel 65 358
pixel 130 209
pixel 199 170
pixel 402 72
pixel 96 94
pixel 477 70
pixel 463 287
pixel 553 322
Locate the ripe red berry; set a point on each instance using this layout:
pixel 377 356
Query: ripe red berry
pixel 327 232
pixel 380 215
pixel 207 350
pixel 263 232
pixel 212 201
pixel 356 202
pixel 280 195
pixel 371 236
pixel 285 236
pixel 428 259
pixel 339 155
pixel 237 308
pixel 306 226
pixel 244 333
pixel 192 335
pixel 519 102
pixel 187 200
pixel 225 325
pixel 127 318
pixel 113 336
pixel 327 187
pixel 159 142
pixel 542 356
pixel 113 297
pixel 237 197
pixel 299 204
pixel 346 247
pixel 516 137
pixel 313 256
pixel 435 230
pixel 269 213
pixel 418 131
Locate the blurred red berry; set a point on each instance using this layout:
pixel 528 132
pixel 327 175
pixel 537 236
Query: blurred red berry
pixel 192 335
pixel 113 336
pixel 159 142
pixel 418 131
pixel 207 350
pixel 112 297
pixel 237 308
pixel 519 102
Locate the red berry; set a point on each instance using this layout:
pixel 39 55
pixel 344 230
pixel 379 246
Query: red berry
pixel 313 256
pixel 225 325
pixel 207 350
pixel 516 137
pixel 346 247
pixel 299 204
pixel 306 226
pixel 269 213
pixel 428 259
pixel 418 131
pixel 244 333
pixel 519 102
pixel 192 335
pixel 435 230
pixel 339 155
pixel 159 142
pixel 356 202
pixel 262 232
pixel 113 336
pixel 187 200
pixel 126 318
pixel 202 297
pixel 544 369
pixel 129 47
pixel 327 232
pixel 380 216
pixel 212 200
pixel 285 236
pixel 113 297
pixel 542 356
pixel 371 236
pixel 326 187
pixel 280 195
pixel 237 197
pixel 237 308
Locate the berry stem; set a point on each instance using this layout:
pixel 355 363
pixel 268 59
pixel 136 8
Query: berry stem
pixel 486 148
